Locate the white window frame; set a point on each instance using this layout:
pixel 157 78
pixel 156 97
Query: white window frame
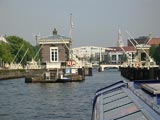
pixel 54 50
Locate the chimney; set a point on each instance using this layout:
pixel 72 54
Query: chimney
pixel 54 31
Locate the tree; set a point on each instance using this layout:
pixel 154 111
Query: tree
pixel 5 53
pixel 8 51
pixel 152 51
pixel 157 54
pixel 16 43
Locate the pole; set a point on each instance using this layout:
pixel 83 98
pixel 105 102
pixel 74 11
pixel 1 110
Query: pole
pixel 23 56
pixel 71 26
pixel 17 53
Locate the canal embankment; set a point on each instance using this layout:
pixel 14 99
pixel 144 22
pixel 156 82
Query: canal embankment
pixel 132 73
pixel 6 74
pixel 45 75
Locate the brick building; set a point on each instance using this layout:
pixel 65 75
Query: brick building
pixel 54 50
pixel 144 40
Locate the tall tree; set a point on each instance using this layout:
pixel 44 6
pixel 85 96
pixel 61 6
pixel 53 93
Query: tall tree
pixel 157 54
pixel 8 51
pixel 5 53
pixel 152 50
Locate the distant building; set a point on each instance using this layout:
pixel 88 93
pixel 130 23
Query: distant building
pixel 144 40
pixel 118 54
pixel 54 50
pixel 89 52
pixel 154 41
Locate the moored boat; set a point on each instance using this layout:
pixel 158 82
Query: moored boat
pixel 138 100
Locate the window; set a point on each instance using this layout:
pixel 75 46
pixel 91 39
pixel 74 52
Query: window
pixel 143 56
pixel 54 54
pixel 114 57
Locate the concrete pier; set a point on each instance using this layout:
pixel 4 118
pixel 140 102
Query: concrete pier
pixel 47 75
pixel 56 75
pixel 88 71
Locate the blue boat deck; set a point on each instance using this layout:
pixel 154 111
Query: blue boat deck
pixel 126 101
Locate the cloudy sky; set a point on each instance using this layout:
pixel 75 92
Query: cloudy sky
pixel 96 21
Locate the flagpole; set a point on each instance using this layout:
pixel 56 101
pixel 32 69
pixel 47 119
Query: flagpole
pixel 71 26
pixel 70 35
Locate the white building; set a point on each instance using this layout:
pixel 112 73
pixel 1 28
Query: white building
pixel 88 51
pixel 89 54
pixel 119 54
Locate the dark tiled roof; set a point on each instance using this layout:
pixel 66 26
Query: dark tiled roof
pixel 126 48
pixel 55 37
pixel 141 40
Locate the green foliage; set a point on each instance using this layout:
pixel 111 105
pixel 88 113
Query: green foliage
pixel 9 51
pixel 155 53
pixel 152 50
pixel 5 52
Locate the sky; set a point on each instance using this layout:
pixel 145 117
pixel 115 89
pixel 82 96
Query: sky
pixel 96 22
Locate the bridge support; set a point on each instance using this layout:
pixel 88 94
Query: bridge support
pixel 100 69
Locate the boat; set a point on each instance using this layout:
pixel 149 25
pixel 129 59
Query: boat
pixel 123 100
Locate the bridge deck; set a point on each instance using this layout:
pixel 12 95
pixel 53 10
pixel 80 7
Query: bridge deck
pixel 103 66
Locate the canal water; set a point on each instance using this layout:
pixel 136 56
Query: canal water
pixel 52 101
